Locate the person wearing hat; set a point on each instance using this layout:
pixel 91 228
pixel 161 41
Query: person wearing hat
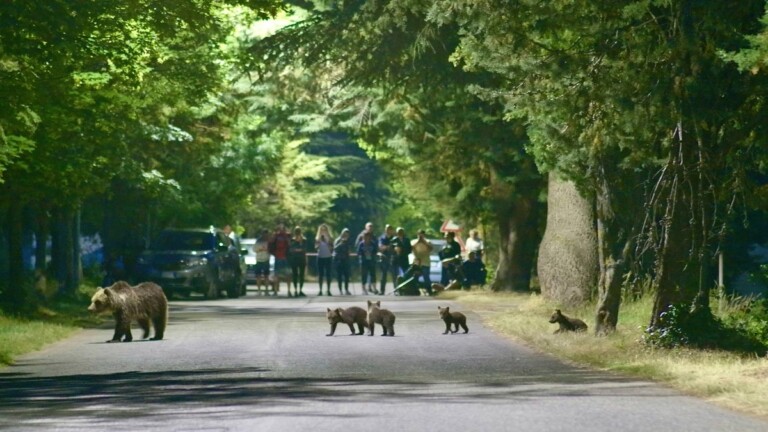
pixel 342 247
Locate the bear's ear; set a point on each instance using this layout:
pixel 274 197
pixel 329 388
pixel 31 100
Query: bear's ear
pixel 329 309
pixel 447 308
pixel 378 303
pixel 370 302
pixel 557 311
pixel 108 292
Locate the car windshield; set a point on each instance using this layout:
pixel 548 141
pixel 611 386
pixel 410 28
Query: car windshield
pixel 183 240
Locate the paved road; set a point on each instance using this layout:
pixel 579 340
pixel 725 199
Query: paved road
pixel 264 364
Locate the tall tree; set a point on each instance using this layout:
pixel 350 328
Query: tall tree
pixel 401 94
pixel 616 92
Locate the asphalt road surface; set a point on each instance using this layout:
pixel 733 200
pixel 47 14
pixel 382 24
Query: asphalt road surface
pixel 265 364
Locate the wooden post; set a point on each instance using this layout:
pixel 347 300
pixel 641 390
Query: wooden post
pixel 720 285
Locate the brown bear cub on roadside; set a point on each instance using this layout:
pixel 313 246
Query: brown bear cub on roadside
pixel 566 323
pixel 376 315
pixel 144 302
pixel 350 316
pixel 455 318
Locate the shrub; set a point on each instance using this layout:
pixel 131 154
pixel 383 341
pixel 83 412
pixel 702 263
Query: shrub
pixel 679 326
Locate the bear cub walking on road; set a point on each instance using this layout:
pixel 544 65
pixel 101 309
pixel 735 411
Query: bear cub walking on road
pixel 376 315
pixel 455 318
pixel 566 323
pixel 350 316
pixel 144 302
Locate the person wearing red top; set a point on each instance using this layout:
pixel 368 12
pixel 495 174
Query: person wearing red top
pixel 278 246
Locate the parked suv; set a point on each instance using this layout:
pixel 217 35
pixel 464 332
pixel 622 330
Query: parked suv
pixel 183 261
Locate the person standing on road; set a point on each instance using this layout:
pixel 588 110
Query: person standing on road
pixel 261 249
pixel 366 251
pixel 422 249
pixel 278 246
pixel 297 258
pixel 342 248
pixel 368 229
pixel 386 258
pixel 402 245
pixel 324 247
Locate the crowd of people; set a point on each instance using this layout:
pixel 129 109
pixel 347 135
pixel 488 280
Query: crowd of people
pixel 385 255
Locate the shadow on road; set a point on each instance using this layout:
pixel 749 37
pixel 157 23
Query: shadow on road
pixel 146 394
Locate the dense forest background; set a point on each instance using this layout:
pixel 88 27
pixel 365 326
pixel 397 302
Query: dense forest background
pixel 602 147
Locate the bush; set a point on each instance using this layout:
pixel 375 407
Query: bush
pixel 751 318
pixel 679 326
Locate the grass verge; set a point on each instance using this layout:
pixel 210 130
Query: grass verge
pixel 20 335
pixel 728 379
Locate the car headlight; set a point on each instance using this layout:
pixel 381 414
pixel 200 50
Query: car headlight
pixel 197 261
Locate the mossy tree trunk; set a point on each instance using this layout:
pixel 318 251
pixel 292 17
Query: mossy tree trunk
pixel 568 261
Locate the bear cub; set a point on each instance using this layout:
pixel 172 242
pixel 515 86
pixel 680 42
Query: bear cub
pixel 455 318
pixel 350 316
pixel 566 323
pixel 143 303
pixel 376 315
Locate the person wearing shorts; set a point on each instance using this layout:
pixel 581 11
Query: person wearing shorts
pixel 278 247
pixel 261 249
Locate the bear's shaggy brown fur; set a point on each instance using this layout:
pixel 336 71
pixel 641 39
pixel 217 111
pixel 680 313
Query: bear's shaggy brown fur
pixel 376 315
pixel 566 323
pixel 144 302
pixel 455 318
pixel 350 316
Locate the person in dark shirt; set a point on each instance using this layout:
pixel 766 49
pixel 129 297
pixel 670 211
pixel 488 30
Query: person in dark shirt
pixel 297 258
pixel 448 255
pixel 366 251
pixel 474 271
pixel 402 245
pixel 342 248
pixel 387 259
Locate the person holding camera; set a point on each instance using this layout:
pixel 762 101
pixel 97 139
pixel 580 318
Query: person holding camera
pixel 324 248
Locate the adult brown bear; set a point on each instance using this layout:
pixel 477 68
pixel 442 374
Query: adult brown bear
pixel 144 302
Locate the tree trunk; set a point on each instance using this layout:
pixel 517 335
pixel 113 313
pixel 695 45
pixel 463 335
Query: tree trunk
pixel 616 224
pixel 16 294
pixel 517 246
pixel 42 232
pixel 567 264
pixel 612 269
pixel 683 270
pixel 64 251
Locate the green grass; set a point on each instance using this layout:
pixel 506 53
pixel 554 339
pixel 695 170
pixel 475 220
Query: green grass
pixel 56 321
pixel 20 336
pixel 732 380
